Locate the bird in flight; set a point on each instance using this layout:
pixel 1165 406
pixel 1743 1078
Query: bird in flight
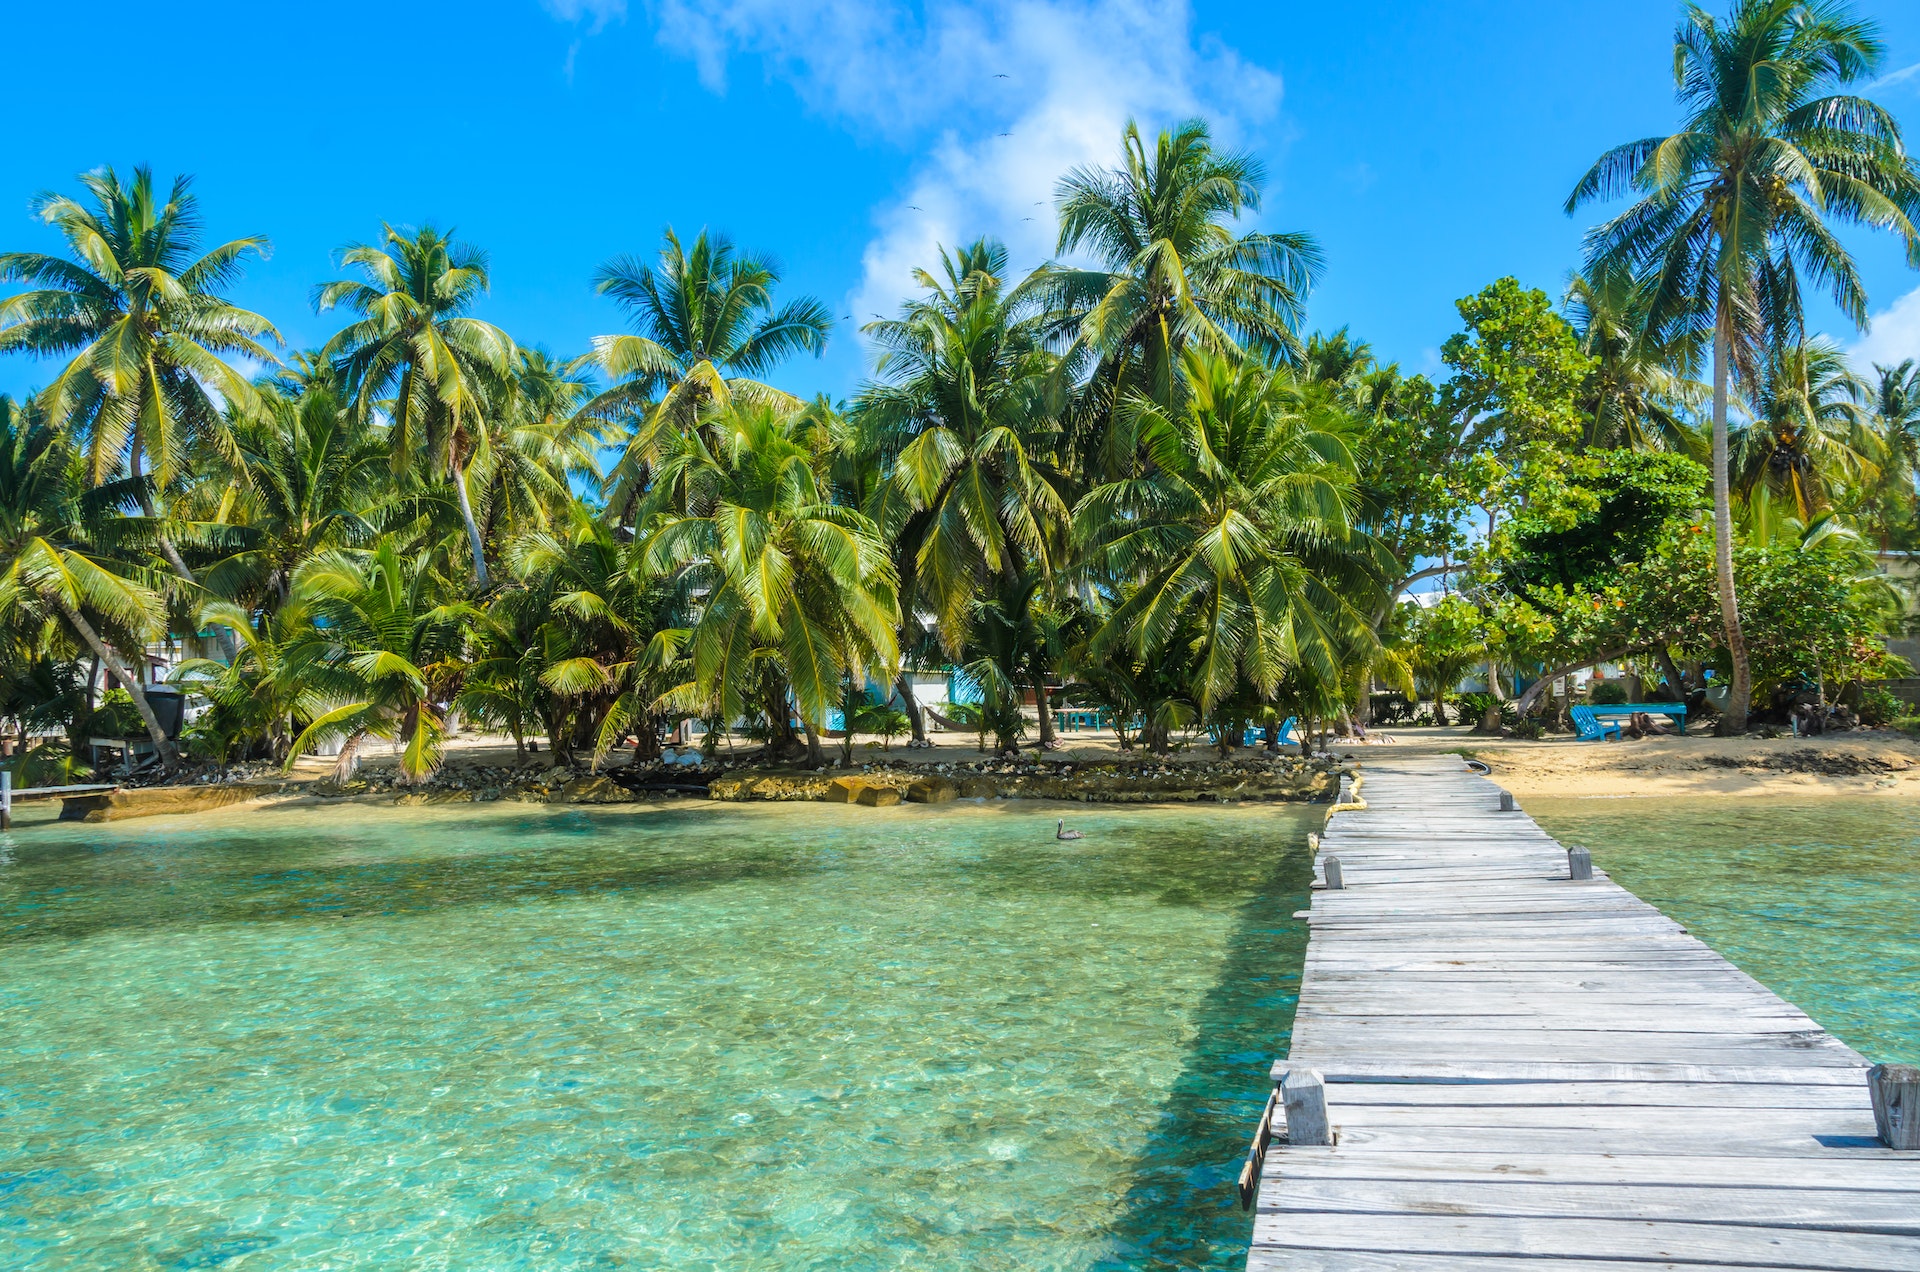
pixel 1001 75
pixel 1006 134
pixel 913 207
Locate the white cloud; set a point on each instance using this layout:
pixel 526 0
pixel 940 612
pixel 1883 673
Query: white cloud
pixel 600 11
pixel 1896 77
pixel 1003 97
pixel 1894 335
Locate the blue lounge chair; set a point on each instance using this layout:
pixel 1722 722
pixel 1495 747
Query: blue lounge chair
pixel 1590 727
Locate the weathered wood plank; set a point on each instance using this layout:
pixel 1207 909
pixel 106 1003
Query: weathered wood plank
pixel 1528 1072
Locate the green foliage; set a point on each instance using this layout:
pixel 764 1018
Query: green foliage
pixel 1878 706
pixel 1632 501
pixel 1607 693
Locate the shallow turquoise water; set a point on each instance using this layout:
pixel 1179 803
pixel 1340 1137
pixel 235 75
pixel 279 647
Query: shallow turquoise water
pixel 1819 900
pixel 695 1037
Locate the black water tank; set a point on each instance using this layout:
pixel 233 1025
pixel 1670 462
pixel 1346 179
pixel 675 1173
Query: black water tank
pixel 169 707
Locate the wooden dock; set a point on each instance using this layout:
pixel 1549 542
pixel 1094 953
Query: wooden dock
pixel 1525 1072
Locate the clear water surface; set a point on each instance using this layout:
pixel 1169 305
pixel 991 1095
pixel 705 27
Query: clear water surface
pixel 690 1037
pixel 1818 899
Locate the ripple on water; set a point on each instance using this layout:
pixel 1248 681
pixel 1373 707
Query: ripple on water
pixel 700 1037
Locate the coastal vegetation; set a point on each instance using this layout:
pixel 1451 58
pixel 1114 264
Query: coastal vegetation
pixel 1131 476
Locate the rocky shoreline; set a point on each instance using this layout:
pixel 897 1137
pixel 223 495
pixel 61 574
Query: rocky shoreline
pixel 1148 781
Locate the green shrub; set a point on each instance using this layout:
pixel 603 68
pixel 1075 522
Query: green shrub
pixel 1474 705
pixel 1608 693
pixel 1878 705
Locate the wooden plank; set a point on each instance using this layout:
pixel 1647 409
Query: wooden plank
pixel 1705 1243
pixel 1523 1071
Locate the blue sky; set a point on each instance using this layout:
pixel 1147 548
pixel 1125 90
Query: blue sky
pixel 1428 146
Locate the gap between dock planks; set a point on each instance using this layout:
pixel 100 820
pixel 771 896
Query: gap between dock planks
pixel 1529 1073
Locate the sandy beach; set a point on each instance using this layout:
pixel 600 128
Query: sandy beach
pixel 1865 762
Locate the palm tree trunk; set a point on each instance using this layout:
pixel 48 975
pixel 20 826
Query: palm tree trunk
pixel 903 685
pixel 816 757
pixel 1047 742
pixel 147 508
pixel 473 528
pixel 79 623
pixel 1735 720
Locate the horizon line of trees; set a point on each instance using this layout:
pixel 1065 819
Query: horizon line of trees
pixel 1136 475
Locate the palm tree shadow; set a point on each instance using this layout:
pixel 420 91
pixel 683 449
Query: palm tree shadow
pixel 1181 1208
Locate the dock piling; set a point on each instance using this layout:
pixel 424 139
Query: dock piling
pixel 1506 801
pixel 1579 864
pixel 1896 1104
pixel 1334 881
pixel 1305 1095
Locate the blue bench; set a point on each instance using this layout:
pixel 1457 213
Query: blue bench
pixel 1596 723
pixel 1675 711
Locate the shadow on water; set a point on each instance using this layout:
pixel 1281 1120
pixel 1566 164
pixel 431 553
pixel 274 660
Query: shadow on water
pixel 1182 1208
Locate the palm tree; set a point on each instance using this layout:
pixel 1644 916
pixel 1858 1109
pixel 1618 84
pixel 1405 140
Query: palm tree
pixel 1243 522
pixel 1734 207
pixel 414 354
pixel 1808 433
pixel 146 324
pixel 794 590
pixel 533 448
pixel 706 330
pixel 588 643
pixel 961 412
pixel 50 568
pixel 1639 386
pixel 1173 271
pixel 257 693
pixel 1892 405
pixel 306 473
pixel 378 654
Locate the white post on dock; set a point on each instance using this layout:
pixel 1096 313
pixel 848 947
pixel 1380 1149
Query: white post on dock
pixel 1334 881
pixel 1579 863
pixel 1305 1095
pixel 1896 1104
pixel 6 799
pixel 1506 801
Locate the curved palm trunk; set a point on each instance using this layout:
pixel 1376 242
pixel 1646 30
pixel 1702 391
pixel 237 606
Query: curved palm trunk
pixel 1736 714
pixel 161 746
pixel 473 528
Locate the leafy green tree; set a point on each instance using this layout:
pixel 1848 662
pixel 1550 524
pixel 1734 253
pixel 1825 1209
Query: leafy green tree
pixel 145 322
pixel 1636 498
pixel 1243 520
pixel 1444 641
pixel 1733 209
pixel 534 449
pixel 413 354
pixel 1173 274
pixel 707 329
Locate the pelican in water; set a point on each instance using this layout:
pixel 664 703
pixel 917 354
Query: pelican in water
pixel 1061 831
